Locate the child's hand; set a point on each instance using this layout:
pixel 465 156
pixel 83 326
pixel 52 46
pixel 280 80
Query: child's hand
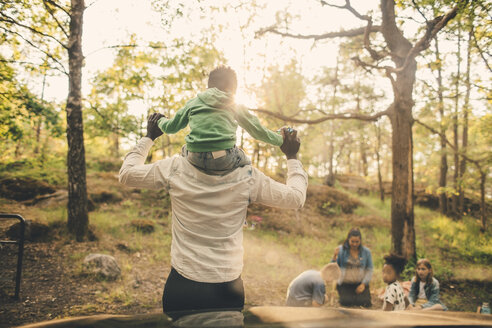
pixel 287 129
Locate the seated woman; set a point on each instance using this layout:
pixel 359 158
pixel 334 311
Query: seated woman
pixel 355 262
pixel 424 293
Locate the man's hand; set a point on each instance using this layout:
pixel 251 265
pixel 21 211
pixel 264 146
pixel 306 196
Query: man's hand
pixel 153 131
pixel 291 144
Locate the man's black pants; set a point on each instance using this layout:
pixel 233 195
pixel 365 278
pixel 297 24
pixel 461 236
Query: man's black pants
pixel 182 294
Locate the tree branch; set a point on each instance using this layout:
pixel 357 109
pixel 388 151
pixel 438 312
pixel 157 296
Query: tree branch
pixel 418 9
pixel 62 69
pixel 349 7
pixel 340 116
pixel 330 35
pixel 367 45
pixel 52 13
pixel 481 52
pixel 54 4
pixel 10 20
pixel 476 162
pixel 122 46
pixel 433 27
pixel 26 63
pixel 365 65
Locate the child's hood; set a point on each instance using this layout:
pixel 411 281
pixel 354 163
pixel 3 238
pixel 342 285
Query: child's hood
pixel 214 97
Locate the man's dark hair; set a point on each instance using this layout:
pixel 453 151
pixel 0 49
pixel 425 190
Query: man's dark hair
pixel 396 261
pixel 223 78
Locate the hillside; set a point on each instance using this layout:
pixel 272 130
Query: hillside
pixel 282 244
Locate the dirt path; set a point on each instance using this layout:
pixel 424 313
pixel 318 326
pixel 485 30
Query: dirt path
pixel 268 269
pixel 50 289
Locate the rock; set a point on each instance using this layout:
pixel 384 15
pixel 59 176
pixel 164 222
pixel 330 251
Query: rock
pixel 35 231
pixel 104 265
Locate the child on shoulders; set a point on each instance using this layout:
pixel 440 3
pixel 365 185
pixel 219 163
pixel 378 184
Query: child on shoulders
pixel 394 296
pixel 424 293
pixel 214 117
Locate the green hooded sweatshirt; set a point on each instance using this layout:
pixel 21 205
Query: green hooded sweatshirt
pixel 213 117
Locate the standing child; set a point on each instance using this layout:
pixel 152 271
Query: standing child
pixel 394 296
pixel 213 118
pixel 424 293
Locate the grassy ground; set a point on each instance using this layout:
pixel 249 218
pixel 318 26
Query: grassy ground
pixel 284 244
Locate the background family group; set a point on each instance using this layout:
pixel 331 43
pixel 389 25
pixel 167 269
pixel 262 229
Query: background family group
pixel 352 267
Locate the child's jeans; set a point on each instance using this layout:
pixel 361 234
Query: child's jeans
pixel 219 162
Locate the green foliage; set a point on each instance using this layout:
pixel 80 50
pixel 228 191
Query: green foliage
pixel 19 108
pixel 462 237
pixel 51 170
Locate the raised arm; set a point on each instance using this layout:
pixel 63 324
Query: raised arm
pixel 178 122
pixel 134 173
pixel 253 126
pixel 290 195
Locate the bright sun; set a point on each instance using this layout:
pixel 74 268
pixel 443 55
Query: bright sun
pixel 247 99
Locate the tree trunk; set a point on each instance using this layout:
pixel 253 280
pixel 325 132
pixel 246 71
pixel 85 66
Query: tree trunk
pixel 363 156
pixel 116 144
pixel 456 182
pixel 443 169
pixel 330 180
pixel 78 219
pixel 349 162
pixel 17 148
pixel 483 177
pixel 378 161
pixel 38 135
pixel 402 217
pixel 40 120
pixel 466 109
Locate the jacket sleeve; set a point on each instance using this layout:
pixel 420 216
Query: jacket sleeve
pixel 433 297
pixel 269 192
pixel 340 263
pixel 368 269
pixel 412 295
pixel 178 122
pixel 134 173
pixel 253 126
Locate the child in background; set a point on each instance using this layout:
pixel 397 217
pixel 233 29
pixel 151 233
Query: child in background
pixel 394 296
pixel 424 293
pixel 309 288
pixel 213 118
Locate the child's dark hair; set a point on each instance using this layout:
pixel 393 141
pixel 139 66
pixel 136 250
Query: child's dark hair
pixel 354 232
pixel 396 261
pixel 223 78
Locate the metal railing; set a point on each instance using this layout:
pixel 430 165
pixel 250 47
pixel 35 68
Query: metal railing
pixel 20 242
